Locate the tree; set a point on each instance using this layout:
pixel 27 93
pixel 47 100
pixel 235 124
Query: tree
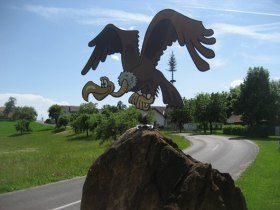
pixel 81 123
pixel 172 66
pixel 180 115
pixel 88 108
pixel 22 126
pixel 121 105
pixel 201 108
pixel 54 112
pixel 275 98
pixel 62 121
pixel 9 106
pixel 24 115
pixel 254 102
pixel 232 99
pixel 216 109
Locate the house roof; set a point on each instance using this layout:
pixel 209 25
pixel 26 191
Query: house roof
pixel 234 119
pixel 70 109
pixel 159 109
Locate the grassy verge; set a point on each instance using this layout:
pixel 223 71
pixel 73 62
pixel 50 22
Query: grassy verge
pixel 181 141
pixel 41 157
pixel 260 183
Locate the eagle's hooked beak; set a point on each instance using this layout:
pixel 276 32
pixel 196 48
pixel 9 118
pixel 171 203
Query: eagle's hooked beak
pixel 107 88
pixel 99 92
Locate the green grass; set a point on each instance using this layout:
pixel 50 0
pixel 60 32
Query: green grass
pixel 181 141
pixel 260 183
pixel 42 156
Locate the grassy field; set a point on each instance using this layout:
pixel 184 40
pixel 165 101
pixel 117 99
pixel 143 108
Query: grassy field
pixel 42 156
pixel 179 140
pixel 261 181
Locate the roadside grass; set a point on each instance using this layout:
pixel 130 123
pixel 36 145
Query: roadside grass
pixel 42 156
pixel 181 141
pixel 260 183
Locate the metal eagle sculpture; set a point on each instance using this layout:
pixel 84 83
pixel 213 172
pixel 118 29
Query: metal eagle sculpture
pixel 139 68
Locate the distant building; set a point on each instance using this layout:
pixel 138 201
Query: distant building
pixel 70 109
pixel 159 116
pixel 234 119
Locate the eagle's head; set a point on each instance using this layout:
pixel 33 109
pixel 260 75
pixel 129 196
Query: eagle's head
pixel 127 82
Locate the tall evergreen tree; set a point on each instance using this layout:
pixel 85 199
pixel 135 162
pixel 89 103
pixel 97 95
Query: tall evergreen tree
pixel 172 66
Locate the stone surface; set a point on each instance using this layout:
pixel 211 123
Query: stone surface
pixel 145 170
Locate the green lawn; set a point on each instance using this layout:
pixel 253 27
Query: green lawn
pixel 261 181
pixel 179 140
pixel 41 156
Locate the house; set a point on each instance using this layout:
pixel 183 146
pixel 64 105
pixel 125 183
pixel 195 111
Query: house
pixel 159 116
pixel 234 119
pixel 69 109
pixel 10 115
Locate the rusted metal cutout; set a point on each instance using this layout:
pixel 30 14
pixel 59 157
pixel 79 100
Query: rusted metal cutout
pixel 140 75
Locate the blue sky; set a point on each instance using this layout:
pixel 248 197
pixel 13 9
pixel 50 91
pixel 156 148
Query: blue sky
pixel 44 46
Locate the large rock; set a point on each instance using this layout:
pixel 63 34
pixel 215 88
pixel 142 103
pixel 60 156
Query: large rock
pixel 145 170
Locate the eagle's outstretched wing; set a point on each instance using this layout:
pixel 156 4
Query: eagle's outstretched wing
pixel 114 40
pixel 169 26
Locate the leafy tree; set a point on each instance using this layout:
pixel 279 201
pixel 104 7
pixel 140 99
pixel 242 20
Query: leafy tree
pixel 232 99
pixel 172 66
pixel 121 105
pixel 275 98
pixel 201 108
pixel 216 109
pixel 54 112
pixel 88 108
pixel 22 126
pixel 25 113
pixel 180 115
pixel 81 123
pixel 254 102
pixel 9 106
pixel 62 121
pixel 106 127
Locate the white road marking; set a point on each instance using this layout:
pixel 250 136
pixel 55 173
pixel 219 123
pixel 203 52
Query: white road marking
pixel 69 204
pixel 216 147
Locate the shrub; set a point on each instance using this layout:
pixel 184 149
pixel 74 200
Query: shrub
pixel 251 131
pixel 239 130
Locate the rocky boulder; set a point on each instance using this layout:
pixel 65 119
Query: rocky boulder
pixel 145 170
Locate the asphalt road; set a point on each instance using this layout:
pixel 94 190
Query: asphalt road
pixel 60 195
pixel 231 155
pixel 226 155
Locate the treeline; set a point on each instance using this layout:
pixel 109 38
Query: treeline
pixel 257 100
pixel 23 115
pixel 108 122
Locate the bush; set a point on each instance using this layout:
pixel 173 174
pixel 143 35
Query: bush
pixel 48 121
pixel 251 131
pixel 239 130
pixel 23 126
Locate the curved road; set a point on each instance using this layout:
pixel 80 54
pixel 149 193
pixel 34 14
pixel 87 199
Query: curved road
pixel 226 155
pixel 231 155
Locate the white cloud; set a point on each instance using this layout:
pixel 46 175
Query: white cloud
pixel 259 32
pixel 236 83
pixel 40 103
pixel 234 10
pixel 115 57
pixel 88 16
pixel 217 62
